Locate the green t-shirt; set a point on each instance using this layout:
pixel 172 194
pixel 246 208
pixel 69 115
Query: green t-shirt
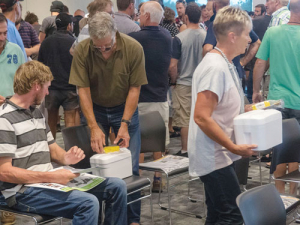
pixel 281 44
pixel 109 80
pixel 10 60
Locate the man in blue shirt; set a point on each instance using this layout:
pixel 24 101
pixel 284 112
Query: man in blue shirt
pixel 12 11
pixel 153 96
pixel 211 41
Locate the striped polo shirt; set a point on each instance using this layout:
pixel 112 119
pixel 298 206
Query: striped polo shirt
pixel 280 16
pixel 25 137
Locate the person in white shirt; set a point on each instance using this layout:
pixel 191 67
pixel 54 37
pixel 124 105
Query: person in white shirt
pixel 217 97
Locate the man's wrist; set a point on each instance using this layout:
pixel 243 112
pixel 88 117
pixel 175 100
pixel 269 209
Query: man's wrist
pixel 127 122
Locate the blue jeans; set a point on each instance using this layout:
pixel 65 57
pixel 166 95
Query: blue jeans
pixel 82 207
pixel 221 189
pixel 111 117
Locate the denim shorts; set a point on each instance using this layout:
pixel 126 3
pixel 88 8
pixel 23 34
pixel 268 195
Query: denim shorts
pixel 66 98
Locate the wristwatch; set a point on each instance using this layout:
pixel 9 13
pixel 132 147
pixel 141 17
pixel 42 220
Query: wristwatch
pixel 126 121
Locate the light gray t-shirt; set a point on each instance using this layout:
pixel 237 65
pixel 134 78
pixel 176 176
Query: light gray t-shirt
pixel 125 24
pixel 206 155
pixel 47 23
pixel 187 48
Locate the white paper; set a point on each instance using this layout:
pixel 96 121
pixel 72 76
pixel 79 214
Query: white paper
pixel 168 163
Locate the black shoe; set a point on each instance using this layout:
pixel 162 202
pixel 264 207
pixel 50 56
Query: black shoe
pixel 182 154
pixel 174 134
pixel 177 129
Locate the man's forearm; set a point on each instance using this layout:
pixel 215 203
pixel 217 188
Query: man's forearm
pixel 207 48
pixel 131 102
pixel 173 73
pixel 87 106
pixel 15 175
pixel 34 50
pixel 258 72
pixel 57 154
pixel 251 53
pixel 42 36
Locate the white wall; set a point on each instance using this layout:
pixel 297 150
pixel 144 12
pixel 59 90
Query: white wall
pixel 256 2
pixel 42 7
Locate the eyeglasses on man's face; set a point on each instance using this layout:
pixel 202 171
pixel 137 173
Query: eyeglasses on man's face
pixel 105 48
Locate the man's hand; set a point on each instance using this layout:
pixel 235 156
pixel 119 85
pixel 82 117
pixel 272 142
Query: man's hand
pixel 123 134
pixel 73 156
pixel 243 150
pixel 248 108
pixel 97 139
pixel 63 176
pixel 256 97
pixel 2 100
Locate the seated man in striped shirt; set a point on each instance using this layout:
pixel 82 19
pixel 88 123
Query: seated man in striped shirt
pixel 27 148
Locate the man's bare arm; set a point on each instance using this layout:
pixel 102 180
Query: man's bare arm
pixel 207 48
pixel 250 53
pixel 258 73
pixel 173 71
pixel 130 107
pixel 42 36
pixel 15 175
pixel 34 50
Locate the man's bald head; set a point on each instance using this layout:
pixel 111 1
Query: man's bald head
pixel 295 6
pixel 222 3
pixel 154 10
pixel 79 12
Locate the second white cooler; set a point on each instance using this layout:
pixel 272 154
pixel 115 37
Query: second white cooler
pixel 260 127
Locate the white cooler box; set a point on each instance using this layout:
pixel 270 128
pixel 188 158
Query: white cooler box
pixel 260 127
pixel 114 164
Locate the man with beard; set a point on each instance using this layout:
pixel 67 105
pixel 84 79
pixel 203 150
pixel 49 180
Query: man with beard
pixel 12 11
pixel 11 57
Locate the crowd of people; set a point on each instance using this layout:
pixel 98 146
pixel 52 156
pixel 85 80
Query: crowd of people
pixel 199 70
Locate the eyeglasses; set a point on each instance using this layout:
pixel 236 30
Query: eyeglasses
pixel 105 48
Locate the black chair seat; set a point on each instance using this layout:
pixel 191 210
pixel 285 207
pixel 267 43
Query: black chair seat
pixel 293 176
pixel 135 183
pixel 39 217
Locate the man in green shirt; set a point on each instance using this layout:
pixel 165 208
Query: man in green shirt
pixel 11 57
pixel 109 68
pixel 281 46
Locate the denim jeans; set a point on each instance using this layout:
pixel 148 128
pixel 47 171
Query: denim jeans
pixel 111 117
pixel 82 207
pixel 221 189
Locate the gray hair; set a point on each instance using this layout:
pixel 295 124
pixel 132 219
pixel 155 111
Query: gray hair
pixel 231 19
pixel 102 25
pixel 155 10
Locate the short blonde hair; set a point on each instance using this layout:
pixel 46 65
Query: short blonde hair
pixel 98 6
pixel 30 73
pixel 231 19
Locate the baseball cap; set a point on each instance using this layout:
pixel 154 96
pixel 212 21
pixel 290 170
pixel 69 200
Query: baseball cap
pixel 63 20
pixel 57 6
pixel 6 4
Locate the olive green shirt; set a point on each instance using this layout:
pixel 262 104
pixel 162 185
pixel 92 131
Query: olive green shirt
pixel 109 80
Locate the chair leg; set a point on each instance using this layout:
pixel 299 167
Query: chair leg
pixel 151 204
pixel 260 173
pixel 169 199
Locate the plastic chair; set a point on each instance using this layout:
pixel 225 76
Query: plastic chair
pixel 262 205
pixel 81 137
pixel 153 136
